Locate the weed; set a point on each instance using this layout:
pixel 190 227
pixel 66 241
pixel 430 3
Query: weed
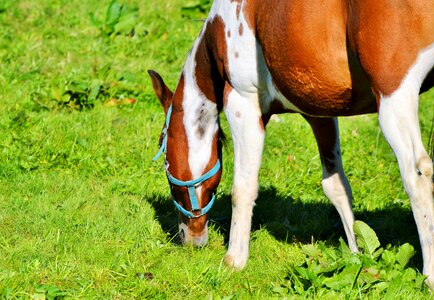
pixel 119 19
pixel 375 270
pixel 193 9
pixel 107 86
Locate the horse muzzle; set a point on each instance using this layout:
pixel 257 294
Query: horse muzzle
pixel 189 236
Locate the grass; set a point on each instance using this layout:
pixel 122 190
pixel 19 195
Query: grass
pixel 84 213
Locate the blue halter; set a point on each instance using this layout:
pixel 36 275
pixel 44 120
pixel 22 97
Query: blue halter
pixel 190 184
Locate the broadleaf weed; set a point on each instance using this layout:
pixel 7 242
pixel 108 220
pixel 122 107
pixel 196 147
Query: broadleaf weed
pixel 343 271
pixel 120 19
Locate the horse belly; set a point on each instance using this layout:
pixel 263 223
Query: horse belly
pixel 324 90
pixel 309 60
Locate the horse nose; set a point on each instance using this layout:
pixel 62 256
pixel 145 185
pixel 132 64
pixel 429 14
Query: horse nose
pixel 189 237
pixel 200 240
pixel 182 235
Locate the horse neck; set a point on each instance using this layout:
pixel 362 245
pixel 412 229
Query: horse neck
pixel 195 112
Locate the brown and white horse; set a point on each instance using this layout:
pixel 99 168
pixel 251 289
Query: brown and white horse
pixel 322 59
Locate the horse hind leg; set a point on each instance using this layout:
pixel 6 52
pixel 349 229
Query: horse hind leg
pixel 398 118
pixel 335 184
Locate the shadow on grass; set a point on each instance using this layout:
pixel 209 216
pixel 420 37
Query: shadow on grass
pixel 290 220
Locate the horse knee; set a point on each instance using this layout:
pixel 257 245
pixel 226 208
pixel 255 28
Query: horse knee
pixel 244 194
pixel 417 178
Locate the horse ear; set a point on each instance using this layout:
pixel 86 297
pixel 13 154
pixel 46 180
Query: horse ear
pixel 164 94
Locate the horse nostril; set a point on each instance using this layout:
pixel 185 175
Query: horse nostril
pixel 182 235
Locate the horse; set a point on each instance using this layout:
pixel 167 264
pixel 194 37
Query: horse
pixel 321 59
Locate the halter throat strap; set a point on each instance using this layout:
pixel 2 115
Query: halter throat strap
pixel 190 184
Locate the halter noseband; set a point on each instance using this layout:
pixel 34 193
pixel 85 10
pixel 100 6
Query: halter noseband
pixel 190 184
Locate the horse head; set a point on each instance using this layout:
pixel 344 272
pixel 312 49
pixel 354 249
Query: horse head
pixel 190 141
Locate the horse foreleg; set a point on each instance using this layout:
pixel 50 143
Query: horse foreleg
pixel 399 122
pixel 248 134
pixel 335 184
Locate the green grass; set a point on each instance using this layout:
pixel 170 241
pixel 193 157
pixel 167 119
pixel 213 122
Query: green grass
pixel 85 213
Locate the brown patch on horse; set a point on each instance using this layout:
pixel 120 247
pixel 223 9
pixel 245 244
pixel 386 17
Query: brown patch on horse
pixel 229 33
pixel 211 61
pixel 240 29
pixel 388 44
pixel 238 11
pixel 308 56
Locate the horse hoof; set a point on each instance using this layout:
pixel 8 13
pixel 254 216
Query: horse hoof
pixel 430 283
pixel 232 262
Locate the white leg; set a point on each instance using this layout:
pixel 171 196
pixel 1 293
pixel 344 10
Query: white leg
pixel 248 134
pixel 399 122
pixel 334 182
pixel 398 118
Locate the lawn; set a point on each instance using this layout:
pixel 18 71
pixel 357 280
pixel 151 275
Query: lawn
pixel 85 213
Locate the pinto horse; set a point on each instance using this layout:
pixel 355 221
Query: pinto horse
pixel 322 59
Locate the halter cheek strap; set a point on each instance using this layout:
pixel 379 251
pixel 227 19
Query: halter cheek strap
pixel 163 147
pixel 190 184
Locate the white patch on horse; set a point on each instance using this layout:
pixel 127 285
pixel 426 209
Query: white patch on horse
pixel 398 117
pixel 200 118
pixel 247 68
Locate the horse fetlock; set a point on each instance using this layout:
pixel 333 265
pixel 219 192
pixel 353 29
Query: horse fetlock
pixel 236 261
pixel 352 244
pixel 429 281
